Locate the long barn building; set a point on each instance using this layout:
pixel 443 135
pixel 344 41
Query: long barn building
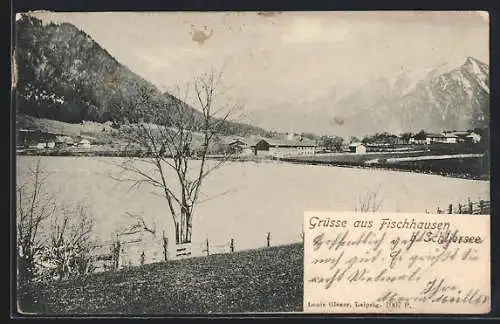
pixel 284 147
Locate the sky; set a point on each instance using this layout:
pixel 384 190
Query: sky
pixel 272 60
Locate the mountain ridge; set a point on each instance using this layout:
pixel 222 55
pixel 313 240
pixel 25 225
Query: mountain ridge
pixel 63 74
pixel 453 95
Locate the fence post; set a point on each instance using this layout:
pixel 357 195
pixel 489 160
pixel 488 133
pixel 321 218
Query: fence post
pixel 208 252
pixel 165 247
pixel 231 245
pixel 471 209
pixel 177 233
pixel 116 253
pixel 268 239
pixel 450 209
pixel 481 206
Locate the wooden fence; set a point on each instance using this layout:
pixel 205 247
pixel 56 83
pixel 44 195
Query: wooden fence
pixel 481 207
pixel 110 256
pixel 112 259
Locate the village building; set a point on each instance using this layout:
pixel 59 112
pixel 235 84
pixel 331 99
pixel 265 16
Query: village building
pixel 358 148
pixel 84 143
pixel 416 140
pixel 284 147
pixel 461 135
pixel 466 136
pixel 399 140
pixel 474 137
pixel 64 141
pixel 41 145
pixel 453 137
pixel 236 145
pixel 435 138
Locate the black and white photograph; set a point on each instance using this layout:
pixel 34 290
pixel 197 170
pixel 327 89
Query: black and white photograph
pixel 164 160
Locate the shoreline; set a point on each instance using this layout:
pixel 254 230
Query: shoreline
pixel 485 177
pixel 352 165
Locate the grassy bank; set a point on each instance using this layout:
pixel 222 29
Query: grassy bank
pixel 263 280
pixel 468 168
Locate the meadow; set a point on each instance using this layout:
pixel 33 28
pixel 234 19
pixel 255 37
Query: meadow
pixel 262 280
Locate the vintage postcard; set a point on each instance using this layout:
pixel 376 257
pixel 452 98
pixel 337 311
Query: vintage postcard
pixel 396 263
pixel 218 162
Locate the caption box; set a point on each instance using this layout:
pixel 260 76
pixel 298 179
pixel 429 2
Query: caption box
pixel 396 263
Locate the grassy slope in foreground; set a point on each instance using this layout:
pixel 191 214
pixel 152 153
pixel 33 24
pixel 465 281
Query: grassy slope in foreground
pixel 263 280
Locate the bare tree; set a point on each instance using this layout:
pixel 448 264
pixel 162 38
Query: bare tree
pixel 139 225
pixel 33 207
pixel 177 148
pixel 370 202
pixel 51 240
pixel 70 245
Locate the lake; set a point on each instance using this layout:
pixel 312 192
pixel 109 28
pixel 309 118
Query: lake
pixel 246 200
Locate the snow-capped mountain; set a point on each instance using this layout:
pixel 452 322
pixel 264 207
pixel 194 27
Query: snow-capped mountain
pixel 446 97
pixel 450 96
